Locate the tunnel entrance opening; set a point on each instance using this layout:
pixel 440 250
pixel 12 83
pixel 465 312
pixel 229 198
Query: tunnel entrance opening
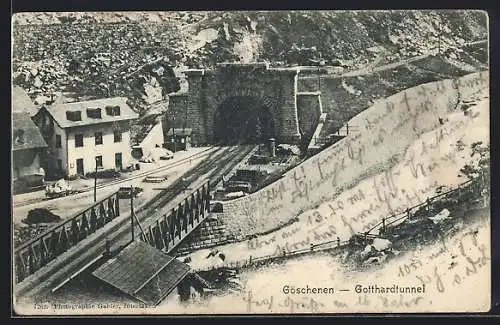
pixel 243 120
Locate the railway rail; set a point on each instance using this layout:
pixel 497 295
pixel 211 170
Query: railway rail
pixel 197 155
pixel 117 233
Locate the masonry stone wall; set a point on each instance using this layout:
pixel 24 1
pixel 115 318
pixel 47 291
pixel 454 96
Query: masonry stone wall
pixel 177 113
pixel 309 111
pixel 289 128
pixel 275 88
pixel 386 131
pixel 195 106
pixel 210 233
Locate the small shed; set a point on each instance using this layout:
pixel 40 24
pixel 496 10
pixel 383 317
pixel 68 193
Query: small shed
pixel 143 272
pixel 179 139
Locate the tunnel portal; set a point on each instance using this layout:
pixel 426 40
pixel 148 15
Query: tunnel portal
pixel 243 119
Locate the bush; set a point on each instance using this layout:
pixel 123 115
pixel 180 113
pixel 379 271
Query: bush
pixel 41 216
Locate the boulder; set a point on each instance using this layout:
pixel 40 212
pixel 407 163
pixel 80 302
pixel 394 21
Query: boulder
pixel 37 83
pixel 376 259
pixel 441 216
pixel 381 244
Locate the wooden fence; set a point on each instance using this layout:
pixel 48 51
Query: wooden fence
pixel 463 190
pixel 474 186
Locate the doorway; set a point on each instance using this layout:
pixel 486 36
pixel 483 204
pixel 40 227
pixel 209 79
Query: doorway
pixel 118 161
pixel 79 166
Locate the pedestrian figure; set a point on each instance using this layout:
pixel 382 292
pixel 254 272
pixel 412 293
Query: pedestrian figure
pixel 338 241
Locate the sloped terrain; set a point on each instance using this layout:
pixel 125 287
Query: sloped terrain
pixel 345 96
pixel 103 54
pixel 416 159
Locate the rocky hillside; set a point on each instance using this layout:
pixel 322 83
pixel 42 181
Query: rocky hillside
pixel 138 54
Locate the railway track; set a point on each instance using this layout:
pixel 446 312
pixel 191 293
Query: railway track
pixel 224 158
pixel 118 233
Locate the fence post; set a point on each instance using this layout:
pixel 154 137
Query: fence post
pixel 383 225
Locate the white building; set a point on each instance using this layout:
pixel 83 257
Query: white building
pixel 83 135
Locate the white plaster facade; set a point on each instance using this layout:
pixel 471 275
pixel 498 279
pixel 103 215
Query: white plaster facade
pixel 90 150
pixel 70 159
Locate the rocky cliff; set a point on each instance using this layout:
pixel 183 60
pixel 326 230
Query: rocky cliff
pixel 110 54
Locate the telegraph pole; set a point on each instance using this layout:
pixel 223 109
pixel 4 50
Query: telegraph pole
pixel 95 182
pixel 173 128
pixel 319 79
pixel 132 210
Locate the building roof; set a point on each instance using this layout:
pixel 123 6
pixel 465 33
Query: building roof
pixel 180 132
pixel 143 272
pixel 59 112
pixel 21 102
pixel 25 134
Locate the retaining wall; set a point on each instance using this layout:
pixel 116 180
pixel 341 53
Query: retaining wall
pixel 385 131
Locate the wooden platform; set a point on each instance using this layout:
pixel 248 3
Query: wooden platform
pixel 143 272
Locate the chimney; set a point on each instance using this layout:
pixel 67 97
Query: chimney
pixel 272 147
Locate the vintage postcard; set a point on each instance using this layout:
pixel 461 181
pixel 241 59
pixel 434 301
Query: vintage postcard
pixel 259 162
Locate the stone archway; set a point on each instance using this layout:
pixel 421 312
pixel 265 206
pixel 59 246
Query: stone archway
pixel 218 99
pixel 243 119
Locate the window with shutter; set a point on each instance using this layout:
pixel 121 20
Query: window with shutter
pixel 98 138
pixel 117 132
pixel 79 140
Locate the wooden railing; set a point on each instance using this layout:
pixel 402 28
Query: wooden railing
pixel 463 189
pixel 471 186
